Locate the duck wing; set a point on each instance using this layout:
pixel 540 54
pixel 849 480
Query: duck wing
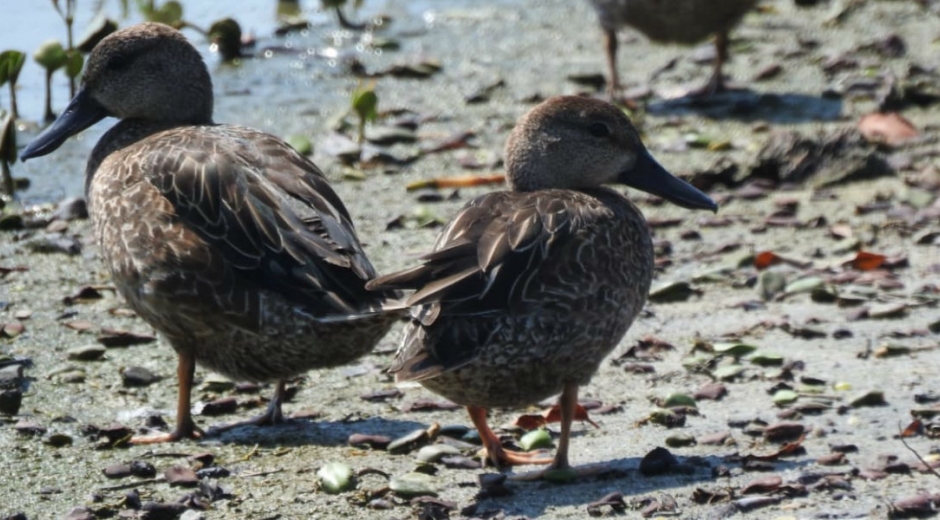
pixel 268 217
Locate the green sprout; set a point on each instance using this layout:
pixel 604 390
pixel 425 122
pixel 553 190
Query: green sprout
pixel 11 63
pixel 52 57
pixel 365 104
pixel 7 152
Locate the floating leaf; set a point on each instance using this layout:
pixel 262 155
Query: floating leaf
pixel 536 439
pixel 336 477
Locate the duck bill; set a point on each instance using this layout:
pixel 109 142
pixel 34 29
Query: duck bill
pixel 648 175
pixel 82 112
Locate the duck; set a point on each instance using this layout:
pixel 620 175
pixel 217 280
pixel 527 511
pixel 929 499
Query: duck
pixel 226 240
pixel 526 291
pixel 676 21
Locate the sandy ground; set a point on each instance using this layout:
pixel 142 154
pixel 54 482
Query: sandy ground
pixel 532 46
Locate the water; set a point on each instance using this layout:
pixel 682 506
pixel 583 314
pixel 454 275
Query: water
pixel 289 70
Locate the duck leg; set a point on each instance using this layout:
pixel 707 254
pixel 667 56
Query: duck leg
pixel 560 469
pixel 185 426
pixel 494 450
pixel 272 415
pixel 610 47
pixel 716 83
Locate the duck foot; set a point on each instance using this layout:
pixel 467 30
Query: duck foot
pixel 271 416
pixel 501 457
pixel 192 432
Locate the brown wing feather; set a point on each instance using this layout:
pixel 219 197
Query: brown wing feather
pixel 269 215
pixel 483 263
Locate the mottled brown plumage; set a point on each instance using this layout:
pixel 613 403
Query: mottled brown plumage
pixel 224 238
pixel 675 21
pixel 528 290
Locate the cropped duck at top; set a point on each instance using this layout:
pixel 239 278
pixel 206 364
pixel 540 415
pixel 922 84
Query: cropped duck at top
pixel 528 290
pixel 676 21
pixel 223 238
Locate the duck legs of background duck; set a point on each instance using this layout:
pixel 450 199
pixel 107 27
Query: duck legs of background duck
pixel 272 414
pixel 185 426
pixel 716 83
pixel 610 46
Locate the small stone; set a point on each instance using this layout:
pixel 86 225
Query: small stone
pixel 192 514
pixel 116 471
pixel 143 469
pixel 657 462
pixel 181 476
pixel 336 477
pixel 435 452
pixel 86 353
pixel 375 442
pixel 409 442
pixel 24 427
pixel 783 432
pixel 138 377
pixel 412 485
pixel 221 406
pixel 57 440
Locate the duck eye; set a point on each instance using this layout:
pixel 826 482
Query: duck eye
pixel 599 130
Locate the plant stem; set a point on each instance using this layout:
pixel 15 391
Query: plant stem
pixel 13 108
pixel 8 185
pixel 49 116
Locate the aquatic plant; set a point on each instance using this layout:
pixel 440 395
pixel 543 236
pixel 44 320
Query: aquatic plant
pixel 52 57
pixel 337 6
pixel 365 103
pixel 226 38
pixel 11 63
pixel 7 152
pixel 68 16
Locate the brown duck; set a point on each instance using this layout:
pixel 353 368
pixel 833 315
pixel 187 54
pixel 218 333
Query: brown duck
pixel 223 238
pixel 528 290
pixel 677 21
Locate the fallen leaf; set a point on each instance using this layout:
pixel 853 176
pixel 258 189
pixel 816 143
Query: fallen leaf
pixel 865 261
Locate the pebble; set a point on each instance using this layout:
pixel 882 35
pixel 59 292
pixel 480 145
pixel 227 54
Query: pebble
pixel 409 442
pixel 137 377
pixel 180 476
pixel 85 353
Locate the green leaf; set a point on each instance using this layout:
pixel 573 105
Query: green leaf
pixel 728 372
pixel 336 477
pixel 783 397
pixel 11 63
pixel 73 66
pixel 733 349
pixel 51 55
pixel 536 439
pixel 365 103
pixel 679 400
pixel 8 139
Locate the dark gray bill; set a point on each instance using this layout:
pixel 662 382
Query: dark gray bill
pixel 649 176
pixel 82 112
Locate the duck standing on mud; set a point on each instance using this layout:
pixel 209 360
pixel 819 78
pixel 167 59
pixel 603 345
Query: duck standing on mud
pixel 528 290
pixel 678 21
pixel 223 238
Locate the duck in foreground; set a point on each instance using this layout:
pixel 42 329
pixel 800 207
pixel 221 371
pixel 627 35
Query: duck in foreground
pixel 223 238
pixel 678 21
pixel 528 290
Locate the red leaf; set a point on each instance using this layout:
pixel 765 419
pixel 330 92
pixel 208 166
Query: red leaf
pixel 765 259
pixel 865 261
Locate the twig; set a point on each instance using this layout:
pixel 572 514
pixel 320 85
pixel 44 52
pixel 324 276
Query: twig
pixel 128 485
pixel 912 450
pixel 261 473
